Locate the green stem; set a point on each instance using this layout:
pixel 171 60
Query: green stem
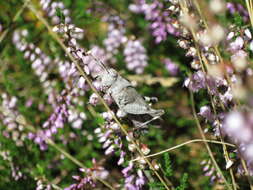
pixel 2 36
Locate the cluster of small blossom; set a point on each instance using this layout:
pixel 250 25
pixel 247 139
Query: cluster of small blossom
pixel 56 120
pixel 216 86
pixel 69 75
pixel 40 62
pixel 135 56
pixel 133 180
pixel 50 7
pixel 238 8
pixel 42 65
pixel 69 33
pixel 91 174
pixel 8 115
pixel 213 81
pixel 74 83
pixel 15 171
pixel 206 40
pixel 171 66
pixel 238 43
pixel 64 112
pixel 133 174
pixel 161 21
pixel 40 185
pixel 87 60
pixel 210 171
pixel 100 54
pixel 238 125
pixel 109 134
pixel 115 36
pixel 134 51
pixel 75 93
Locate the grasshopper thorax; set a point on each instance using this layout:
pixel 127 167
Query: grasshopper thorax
pixel 107 78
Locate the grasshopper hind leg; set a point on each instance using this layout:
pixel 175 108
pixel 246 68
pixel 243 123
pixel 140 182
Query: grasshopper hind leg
pixel 150 99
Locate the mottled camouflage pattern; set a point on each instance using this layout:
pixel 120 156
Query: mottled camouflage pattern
pixel 125 95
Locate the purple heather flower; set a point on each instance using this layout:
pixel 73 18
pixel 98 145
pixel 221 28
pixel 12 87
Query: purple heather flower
pixel 135 56
pixel 205 112
pixel 8 116
pixel 127 169
pixel 40 63
pixel 237 44
pixel 115 36
pixel 238 8
pixel 171 67
pixel 210 171
pixel 196 82
pixel 161 24
pixel 237 126
pixel 50 8
pixel 91 174
pixel 121 160
pixel 133 181
pixel 93 100
pixel 100 54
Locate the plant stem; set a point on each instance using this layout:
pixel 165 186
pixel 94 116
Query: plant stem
pixel 74 160
pixel 206 144
pixel 183 144
pixel 247 173
pixel 20 11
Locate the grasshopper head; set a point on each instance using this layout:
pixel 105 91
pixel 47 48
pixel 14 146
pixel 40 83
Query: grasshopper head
pixel 107 78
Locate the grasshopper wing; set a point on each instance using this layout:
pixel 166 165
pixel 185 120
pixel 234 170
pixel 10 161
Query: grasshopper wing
pixel 134 103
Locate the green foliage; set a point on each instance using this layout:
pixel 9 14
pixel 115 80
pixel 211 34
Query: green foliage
pixel 183 182
pixel 167 165
pixel 237 19
pixel 60 15
pixel 156 185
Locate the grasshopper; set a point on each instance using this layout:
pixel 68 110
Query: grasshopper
pixel 128 100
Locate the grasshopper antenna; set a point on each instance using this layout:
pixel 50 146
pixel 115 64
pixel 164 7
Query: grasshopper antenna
pixel 98 61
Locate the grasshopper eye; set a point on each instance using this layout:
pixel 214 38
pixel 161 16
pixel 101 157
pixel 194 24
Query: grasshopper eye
pixel 97 77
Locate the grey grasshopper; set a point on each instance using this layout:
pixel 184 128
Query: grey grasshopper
pixel 128 100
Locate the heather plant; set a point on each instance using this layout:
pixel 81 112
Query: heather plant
pixel 128 95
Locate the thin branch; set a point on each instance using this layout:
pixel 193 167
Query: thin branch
pixel 2 36
pixel 74 160
pixel 249 5
pixel 183 144
pixel 206 144
pixel 247 173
